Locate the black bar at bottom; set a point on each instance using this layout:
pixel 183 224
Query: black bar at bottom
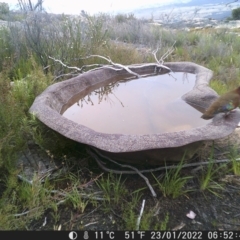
pixel 119 235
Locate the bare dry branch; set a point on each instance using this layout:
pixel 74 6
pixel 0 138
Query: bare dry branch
pixel 115 64
pixel 125 166
pixel 91 223
pixel 140 174
pixel 154 169
pixel 160 61
pixel 24 179
pixel 57 60
pixel 29 6
pixel 25 213
pixel 91 181
pixel 140 215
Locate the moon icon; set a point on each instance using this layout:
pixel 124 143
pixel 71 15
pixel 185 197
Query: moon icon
pixel 72 235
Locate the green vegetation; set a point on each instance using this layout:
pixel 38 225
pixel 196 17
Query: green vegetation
pixel 209 177
pixel 79 187
pixel 172 184
pixel 4 10
pixel 234 155
pixel 113 189
pixel 236 14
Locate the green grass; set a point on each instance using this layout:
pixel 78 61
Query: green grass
pixel 150 222
pixel 74 197
pixel 234 155
pixel 113 189
pixel 25 201
pixel 209 178
pixel 172 183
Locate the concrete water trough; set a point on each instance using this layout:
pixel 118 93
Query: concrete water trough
pixel 150 120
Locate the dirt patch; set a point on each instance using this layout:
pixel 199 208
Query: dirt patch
pixel 212 213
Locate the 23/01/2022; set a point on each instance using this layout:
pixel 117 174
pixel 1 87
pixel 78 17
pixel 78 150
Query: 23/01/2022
pixel 177 235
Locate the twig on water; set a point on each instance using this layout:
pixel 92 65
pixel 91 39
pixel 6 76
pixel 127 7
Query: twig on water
pixel 140 215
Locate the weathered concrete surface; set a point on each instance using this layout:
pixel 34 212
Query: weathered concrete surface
pixel 48 107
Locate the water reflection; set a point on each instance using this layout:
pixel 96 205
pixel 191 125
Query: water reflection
pixel 102 93
pixel 143 106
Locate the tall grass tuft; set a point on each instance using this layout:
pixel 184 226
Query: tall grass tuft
pixel 172 184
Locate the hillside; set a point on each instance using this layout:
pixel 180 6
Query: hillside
pixel 176 12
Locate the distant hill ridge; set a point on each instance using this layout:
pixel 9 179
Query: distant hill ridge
pixel 203 2
pixel 217 9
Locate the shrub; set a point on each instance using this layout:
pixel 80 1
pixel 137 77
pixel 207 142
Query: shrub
pixel 236 14
pixel 4 10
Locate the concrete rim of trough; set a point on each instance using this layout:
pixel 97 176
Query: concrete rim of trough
pixel 47 108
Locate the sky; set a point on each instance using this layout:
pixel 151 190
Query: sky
pixel 93 6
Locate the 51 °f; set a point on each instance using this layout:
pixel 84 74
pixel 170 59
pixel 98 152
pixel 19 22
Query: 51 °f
pixel 131 235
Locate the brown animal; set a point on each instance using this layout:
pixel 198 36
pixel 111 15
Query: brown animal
pixel 224 103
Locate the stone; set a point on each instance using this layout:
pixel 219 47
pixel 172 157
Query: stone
pixel 154 149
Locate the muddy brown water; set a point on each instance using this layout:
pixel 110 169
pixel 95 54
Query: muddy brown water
pixel 141 106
